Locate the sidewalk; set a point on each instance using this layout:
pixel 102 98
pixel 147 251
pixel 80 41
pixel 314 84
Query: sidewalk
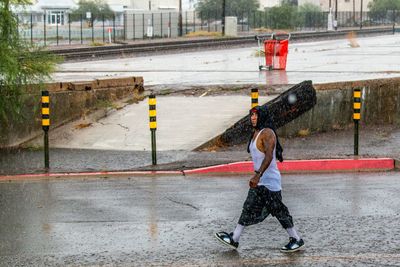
pixel 375 142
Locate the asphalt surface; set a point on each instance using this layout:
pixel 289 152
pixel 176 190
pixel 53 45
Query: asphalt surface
pixel 345 220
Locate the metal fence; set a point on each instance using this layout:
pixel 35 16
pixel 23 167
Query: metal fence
pixel 69 30
pixel 128 26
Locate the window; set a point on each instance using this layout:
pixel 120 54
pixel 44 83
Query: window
pixel 55 17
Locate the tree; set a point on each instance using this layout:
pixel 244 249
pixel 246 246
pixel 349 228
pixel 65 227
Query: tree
pixel 98 9
pixel 310 16
pixel 212 9
pixel 379 8
pixel 283 16
pixel 21 64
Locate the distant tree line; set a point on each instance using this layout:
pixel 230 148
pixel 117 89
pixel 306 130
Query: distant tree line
pixel 384 9
pixel 288 15
pixel 285 16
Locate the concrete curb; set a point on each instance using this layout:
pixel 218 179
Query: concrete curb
pixel 244 167
pixel 40 176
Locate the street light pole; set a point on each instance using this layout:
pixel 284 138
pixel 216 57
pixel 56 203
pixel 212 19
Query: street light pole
pixel 223 18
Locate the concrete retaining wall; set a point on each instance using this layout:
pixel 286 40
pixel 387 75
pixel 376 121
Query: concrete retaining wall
pixel 68 101
pixel 380 105
pixel 334 108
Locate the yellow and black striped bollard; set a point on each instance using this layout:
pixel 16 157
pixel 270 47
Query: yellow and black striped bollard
pixel 153 127
pixel 356 116
pixel 254 97
pixel 45 126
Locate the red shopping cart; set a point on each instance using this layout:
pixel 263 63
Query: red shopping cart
pixel 276 47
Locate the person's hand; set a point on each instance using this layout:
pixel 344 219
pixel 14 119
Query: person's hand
pixel 254 181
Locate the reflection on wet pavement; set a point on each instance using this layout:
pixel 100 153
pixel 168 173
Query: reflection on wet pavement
pixel 345 219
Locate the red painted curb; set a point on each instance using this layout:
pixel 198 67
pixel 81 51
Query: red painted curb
pixel 290 166
pixel 237 167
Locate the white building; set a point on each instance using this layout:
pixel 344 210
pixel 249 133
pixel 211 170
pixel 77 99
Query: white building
pixel 146 5
pixel 155 5
pixel 189 5
pixel 55 11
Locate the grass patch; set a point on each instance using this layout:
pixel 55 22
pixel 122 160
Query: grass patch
pixel 263 30
pixel 32 148
pixel 203 34
pixel 96 44
pixel 166 92
pixel 105 104
pixel 303 133
pixel 135 99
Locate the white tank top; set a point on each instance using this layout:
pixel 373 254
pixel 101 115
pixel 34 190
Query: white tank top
pixel 271 178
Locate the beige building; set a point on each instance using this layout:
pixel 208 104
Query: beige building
pixel 153 5
pixel 343 5
pixel 268 3
pixel 314 2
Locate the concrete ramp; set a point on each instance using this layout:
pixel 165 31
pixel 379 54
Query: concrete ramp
pixel 184 123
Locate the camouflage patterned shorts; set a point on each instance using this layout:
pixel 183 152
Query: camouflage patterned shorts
pixel 260 203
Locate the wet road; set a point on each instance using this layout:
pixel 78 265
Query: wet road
pixel 345 220
pixel 323 61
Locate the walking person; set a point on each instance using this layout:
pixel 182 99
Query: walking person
pixel 264 196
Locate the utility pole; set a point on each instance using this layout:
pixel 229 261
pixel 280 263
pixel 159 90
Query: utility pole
pixel 335 23
pixel 223 18
pixel 180 19
pixel 361 15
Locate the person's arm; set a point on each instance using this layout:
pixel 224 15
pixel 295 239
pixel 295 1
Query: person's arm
pixel 266 145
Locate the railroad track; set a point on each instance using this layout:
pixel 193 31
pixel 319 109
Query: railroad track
pixel 88 53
